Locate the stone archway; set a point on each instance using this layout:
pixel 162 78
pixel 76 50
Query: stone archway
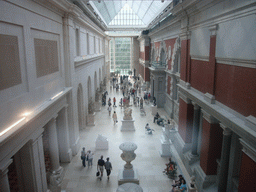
pixel 80 108
pixel 89 88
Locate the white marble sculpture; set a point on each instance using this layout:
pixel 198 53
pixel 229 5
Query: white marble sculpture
pixel 128 114
pixel 101 142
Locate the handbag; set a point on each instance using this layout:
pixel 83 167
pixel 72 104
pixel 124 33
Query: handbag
pixel 97 174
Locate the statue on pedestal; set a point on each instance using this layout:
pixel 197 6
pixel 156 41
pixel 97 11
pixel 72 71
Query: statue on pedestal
pixel 128 114
pixel 90 106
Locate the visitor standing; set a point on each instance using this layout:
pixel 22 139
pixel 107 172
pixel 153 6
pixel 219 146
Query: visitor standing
pixel 100 165
pixel 83 157
pixel 109 110
pixel 114 101
pixel 89 158
pixel 114 116
pixel 108 167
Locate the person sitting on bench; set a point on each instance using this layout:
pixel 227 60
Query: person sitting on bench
pixel 156 117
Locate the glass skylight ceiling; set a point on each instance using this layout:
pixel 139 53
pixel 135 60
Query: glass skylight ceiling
pixel 128 13
pixel 126 16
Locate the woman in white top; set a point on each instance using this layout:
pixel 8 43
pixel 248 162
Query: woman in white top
pixel 89 158
pixel 114 116
pixel 109 110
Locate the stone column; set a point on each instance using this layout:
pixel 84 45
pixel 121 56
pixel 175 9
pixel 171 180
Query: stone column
pixel 4 182
pixel 223 172
pixel 56 169
pixel 63 136
pixel 196 123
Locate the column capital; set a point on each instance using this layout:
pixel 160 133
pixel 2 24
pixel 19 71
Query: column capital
pixel 208 117
pixel 4 167
pixel 226 130
pixel 213 29
pixel 248 149
pixel 196 106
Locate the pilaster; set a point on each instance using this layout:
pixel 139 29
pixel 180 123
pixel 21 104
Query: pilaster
pixel 4 182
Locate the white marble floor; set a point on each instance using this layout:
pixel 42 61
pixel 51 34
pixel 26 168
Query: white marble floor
pixel 149 163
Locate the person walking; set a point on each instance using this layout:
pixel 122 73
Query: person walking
pixel 114 116
pixel 83 157
pixel 100 165
pixel 108 167
pixel 114 101
pixel 109 110
pixel 90 158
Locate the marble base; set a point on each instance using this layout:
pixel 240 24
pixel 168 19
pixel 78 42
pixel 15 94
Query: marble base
pixel 127 125
pixel 91 119
pixel 128 176
pixel 56 178
pixel 97 106
pixel 154 109
pixel 165 148
pixel 129 187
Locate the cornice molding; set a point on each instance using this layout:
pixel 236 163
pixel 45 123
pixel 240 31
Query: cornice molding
pixel 200 57
pixel 88 60
pixel 237 62
pixel 77 13
pixel 248 149
pixel 209 118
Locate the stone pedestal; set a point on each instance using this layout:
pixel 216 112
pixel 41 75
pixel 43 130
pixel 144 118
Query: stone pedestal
pixel 97 106
pixel 129 187
pixel 128 174
pixel 165 143
pixel 91 119
pixel 127 125
pixel 56 178
pixel 101 143
pixel 154 109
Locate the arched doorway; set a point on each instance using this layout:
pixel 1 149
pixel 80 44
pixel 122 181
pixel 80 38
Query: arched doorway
pixel 89 88
pixel 80 108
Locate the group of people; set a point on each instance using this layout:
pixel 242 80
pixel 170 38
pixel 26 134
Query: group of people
pixel 86 156
pixel 100 167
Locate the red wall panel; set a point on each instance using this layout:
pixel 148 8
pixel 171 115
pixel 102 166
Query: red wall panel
pixel 199 75
pixel 147 56
pixel 210 147
pixel 247 176
pixel 142 55
pixel 183 60
pixel 186 112
pixel 170 42
pixel 235 87
pixel 147 74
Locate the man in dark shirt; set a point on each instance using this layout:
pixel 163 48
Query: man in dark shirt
pixel 100 165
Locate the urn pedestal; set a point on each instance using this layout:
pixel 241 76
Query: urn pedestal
pixel 128 174
pixel 154 109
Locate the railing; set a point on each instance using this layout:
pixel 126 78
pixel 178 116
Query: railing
pixel 158 65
